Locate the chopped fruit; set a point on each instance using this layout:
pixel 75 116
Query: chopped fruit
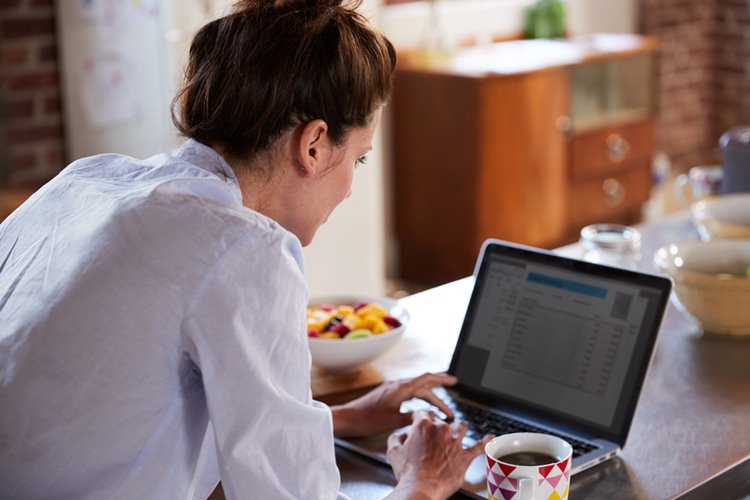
pixel 393 322
pixel 334 321
pixel 352 321
pixel 362 320
pixel 358 334
pixel 340 328
pixel 346 310
pixel 372 310
pixel 329 335
pixel 380 327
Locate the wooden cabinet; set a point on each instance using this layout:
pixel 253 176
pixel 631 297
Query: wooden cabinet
pixel 610 175
pixel 528 156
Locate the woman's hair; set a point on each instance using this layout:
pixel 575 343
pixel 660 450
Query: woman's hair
pixel 271 65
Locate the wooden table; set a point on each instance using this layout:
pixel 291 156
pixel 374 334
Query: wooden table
pixel 691 432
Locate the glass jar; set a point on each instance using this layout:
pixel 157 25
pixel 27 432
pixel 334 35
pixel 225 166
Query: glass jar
pixel 612 245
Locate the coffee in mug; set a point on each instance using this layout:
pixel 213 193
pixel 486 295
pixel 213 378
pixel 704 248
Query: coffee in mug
pixel 528 458
pixel 528 465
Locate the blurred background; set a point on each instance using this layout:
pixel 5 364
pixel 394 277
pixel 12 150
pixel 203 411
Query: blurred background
pixel 81 77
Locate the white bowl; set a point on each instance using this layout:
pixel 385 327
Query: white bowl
pixel 348 355
pixel 722 217
pixel 710 282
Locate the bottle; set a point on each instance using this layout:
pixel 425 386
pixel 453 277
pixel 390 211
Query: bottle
pixel 659 203
pixel 435 47
pixel 612 245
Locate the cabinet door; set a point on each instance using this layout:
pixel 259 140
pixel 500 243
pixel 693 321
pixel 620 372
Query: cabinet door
pixel 522 177
pixel 434 175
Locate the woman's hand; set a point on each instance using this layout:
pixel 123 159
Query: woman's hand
pixel 379 410
pixel 429 461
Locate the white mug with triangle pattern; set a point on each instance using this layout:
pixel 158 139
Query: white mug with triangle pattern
pixel 528 466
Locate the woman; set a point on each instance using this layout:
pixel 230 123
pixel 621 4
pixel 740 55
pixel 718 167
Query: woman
pixel 153 339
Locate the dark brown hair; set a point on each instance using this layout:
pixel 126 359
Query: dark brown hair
pixel 272 65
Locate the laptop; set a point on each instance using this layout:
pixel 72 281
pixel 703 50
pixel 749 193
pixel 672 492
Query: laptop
pixel 549 344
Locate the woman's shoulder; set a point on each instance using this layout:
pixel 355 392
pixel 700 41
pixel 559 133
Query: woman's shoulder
pixel 168 204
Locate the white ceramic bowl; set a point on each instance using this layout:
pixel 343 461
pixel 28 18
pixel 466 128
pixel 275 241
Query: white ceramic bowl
pixel 722 217
pixel 710 282
pixel 348 355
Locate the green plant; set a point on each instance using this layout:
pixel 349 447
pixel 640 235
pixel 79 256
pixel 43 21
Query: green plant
pixel 545 19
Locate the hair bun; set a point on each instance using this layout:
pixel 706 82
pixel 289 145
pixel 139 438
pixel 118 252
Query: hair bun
pixel 308 3
pixel 273 65
pixel 242 5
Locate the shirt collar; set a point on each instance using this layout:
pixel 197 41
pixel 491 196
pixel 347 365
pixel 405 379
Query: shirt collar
pixel 208 159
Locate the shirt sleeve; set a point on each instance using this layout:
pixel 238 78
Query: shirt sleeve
pixel 245 331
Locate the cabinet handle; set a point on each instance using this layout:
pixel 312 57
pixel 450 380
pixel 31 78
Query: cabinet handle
pixel 564 124
pixel 614 192
pixel 617 147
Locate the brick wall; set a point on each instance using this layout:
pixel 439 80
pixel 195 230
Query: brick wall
pixel 703 74
pixel 31 130
pixel 731 86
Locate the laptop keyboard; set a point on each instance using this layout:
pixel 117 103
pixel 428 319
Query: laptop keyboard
pixel 482 421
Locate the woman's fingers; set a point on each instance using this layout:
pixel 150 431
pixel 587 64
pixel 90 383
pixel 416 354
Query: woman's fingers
pixel 420 415
pixel 434 400
pixel 430 381
pixel 396 439
pixel 459 429
pixel 478 447
pixel 421 387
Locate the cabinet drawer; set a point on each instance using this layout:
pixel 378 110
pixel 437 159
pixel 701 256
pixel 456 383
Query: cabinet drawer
pixel 606 198
pixel 608 150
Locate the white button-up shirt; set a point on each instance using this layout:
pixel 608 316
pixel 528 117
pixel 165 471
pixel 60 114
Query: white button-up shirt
pixel 152 340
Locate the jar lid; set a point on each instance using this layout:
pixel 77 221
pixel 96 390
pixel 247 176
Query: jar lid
pixel 615 237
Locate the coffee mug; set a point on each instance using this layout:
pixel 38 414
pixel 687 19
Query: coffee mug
pixel 528 466
pixel 703 181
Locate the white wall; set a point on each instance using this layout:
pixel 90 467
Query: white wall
pixel 589 16
pixel 348 253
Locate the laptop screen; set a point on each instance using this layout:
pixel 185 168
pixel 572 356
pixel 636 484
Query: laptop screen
pixel 558 336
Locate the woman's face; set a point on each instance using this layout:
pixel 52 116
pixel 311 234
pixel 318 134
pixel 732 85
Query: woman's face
pixel 333 184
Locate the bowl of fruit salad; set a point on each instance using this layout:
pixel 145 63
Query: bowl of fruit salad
pixel 345 333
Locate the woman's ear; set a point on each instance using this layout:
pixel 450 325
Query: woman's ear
pixel 314 148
